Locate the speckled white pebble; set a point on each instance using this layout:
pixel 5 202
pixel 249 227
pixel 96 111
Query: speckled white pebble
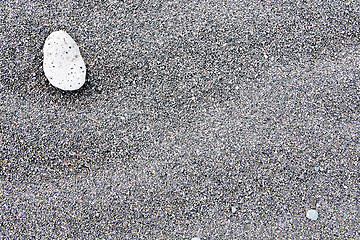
pixel 312 214
pixel 195 238
pixel 63 65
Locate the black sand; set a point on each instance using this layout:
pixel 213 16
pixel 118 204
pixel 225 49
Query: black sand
pixel 191 110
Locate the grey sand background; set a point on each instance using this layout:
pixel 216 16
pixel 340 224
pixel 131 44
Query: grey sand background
pixel 215 119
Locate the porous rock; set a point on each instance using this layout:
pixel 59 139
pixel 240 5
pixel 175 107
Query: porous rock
pixel 63 64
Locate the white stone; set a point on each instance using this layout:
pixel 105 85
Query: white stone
pixel 233 209
pixel 195 238
pixel 63 65
pixel 312 214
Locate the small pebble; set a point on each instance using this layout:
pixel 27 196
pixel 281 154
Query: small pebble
pixel 312 214
pixel 63 65
pixel 195 238
pixel 233 209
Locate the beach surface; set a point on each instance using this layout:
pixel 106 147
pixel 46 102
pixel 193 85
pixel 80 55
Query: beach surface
pixel 208 119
